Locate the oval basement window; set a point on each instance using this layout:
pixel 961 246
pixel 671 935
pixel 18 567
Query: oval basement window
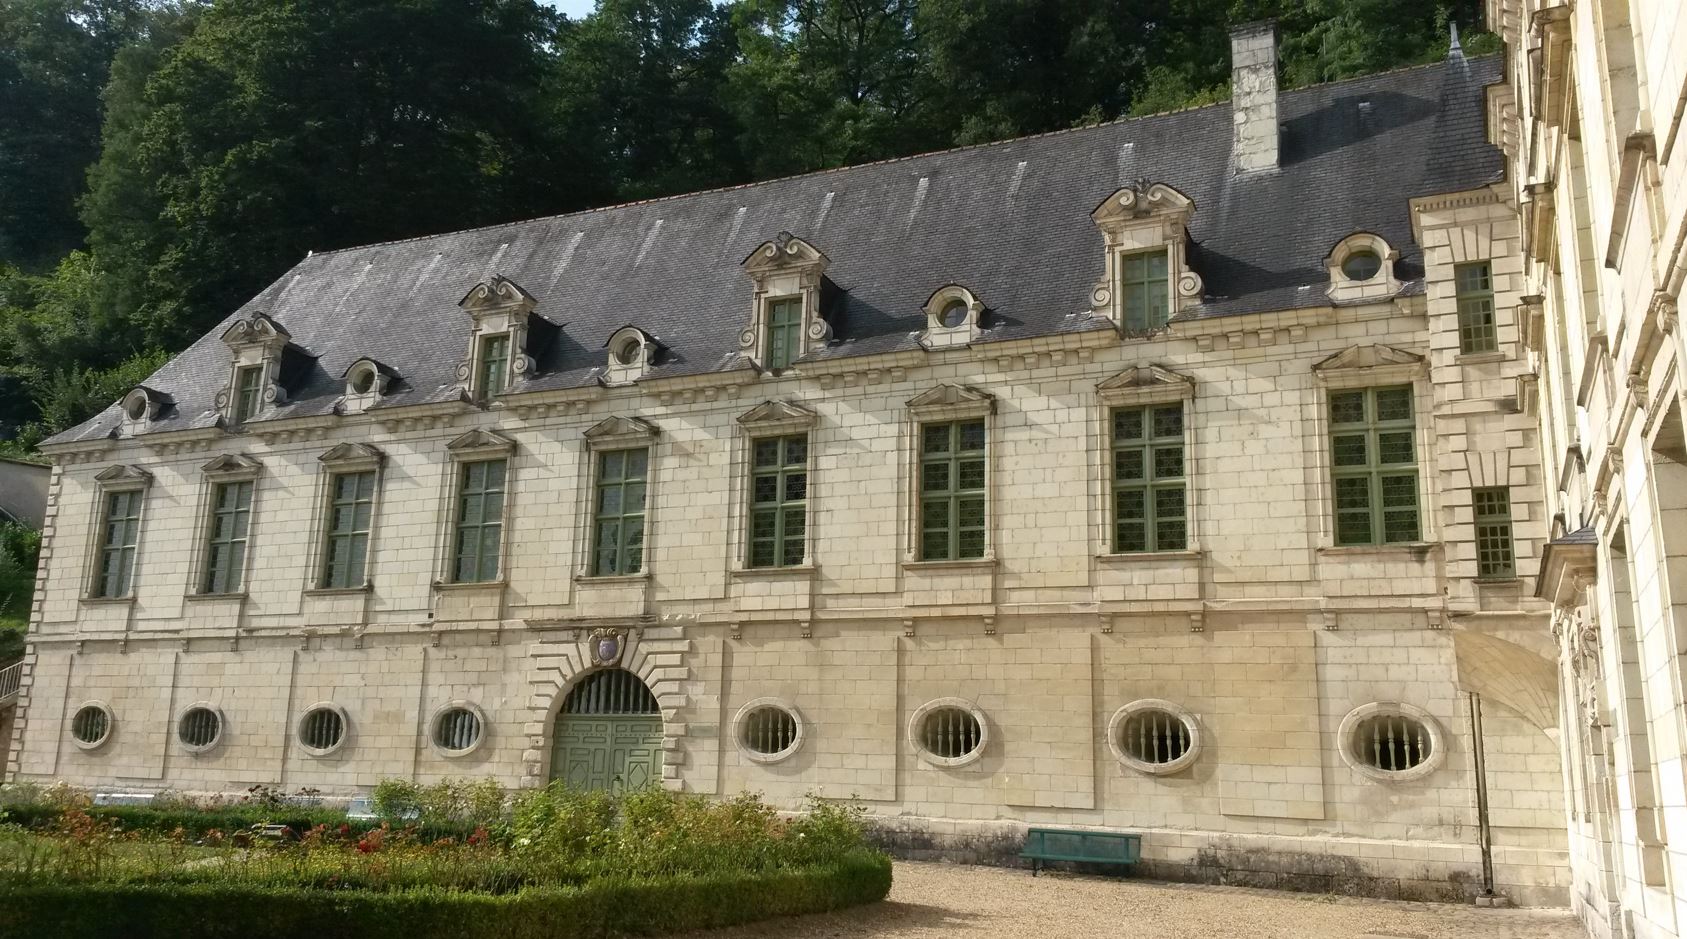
pixel 1393 743
pixel 954 314
pixel 1361 265
pixel 949 732
pixel 200 727
pixel 769 730
pixel 91 726
pixel 322 729
pixel 457 729
pixel 1154 736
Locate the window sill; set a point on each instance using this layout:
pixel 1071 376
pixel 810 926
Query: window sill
pixel 790 570
pixel 1497 581
pixel 1137 557
pixel 1480 358
pixel 338 591
pixel 610 580
pixel 108 601
pixel 468 584
pixel 1397 547
pixel 961 564
pixel 236 595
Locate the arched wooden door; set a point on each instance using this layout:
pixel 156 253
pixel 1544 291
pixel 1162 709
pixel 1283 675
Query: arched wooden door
pixel 608 734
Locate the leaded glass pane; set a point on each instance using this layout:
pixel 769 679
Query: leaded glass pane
pixel 1168 462
pixel 1394 404
pixel 1148 514
pixel 1127 424
pixel 1395 447
pixel 619 529
pixel 778 493
pixel 953 485
pixel 1348 407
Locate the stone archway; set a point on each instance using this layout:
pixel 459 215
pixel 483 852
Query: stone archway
pixel 608 734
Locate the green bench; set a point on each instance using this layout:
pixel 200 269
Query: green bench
pixel 1095 847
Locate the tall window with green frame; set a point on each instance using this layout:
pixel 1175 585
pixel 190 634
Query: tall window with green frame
pixel 618 513
pixel 778 501
pixel 480 521
pixel 492 366
pixel 1149 496
pixel 784 326
pixel 952 490
pixel 351 510
pixel 1473 285
pixel 248 392
pixel 1144 294
pixel 1374 472
pixel 225 551
pixel 119 540
pixel 1494 554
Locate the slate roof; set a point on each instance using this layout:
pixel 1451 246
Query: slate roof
pixel 1010 221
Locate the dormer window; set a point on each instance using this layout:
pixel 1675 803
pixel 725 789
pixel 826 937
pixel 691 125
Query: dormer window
pixel 366 382
pixel 953 316
pixel 263 355
pixel 249 392
pixel 140 406
pixel 631 353
pixel 785 321
pixel 498 352
pixel 1361 270
pixel 1149 281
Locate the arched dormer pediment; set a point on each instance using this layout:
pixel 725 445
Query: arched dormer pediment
pixel 632 351
pixel 784 320
pixel 1361 269
pixel 954 317
pixel 1148 282
pixel 1146 384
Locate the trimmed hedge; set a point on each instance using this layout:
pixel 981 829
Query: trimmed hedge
pixel 229 819
pixel 602 908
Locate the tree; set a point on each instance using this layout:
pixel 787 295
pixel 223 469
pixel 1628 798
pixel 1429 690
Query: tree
pixel 278 127
pixel 54 58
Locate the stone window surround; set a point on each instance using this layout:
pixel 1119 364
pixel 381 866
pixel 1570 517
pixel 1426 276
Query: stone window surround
pixel 769 419
pixel 782 268
pixel 938 336
pixel 181 715
pixel 305 715
pixel 943 403
pixel 1142 386
pixel 1350 726
pixel 613 433
pixel 743 716
pixel 1116 725
pixel 496 306
pixel 110 725
pixel 440 712
pixel 118 477
pixel 1381 287
pixel 917 719
pixel 1351 370
pixel 1140 217
pixel 344 458
pixel 228 468
pixel 475 446
pixel 255 342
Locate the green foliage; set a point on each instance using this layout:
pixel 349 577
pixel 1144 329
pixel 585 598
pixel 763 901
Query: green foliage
pixel 445 803
pixel 20 548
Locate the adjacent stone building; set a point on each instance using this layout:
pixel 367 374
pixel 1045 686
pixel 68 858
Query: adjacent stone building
pixel 1176 475
pixel 1591 119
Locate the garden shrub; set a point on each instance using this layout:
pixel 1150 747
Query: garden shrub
pixel 459 802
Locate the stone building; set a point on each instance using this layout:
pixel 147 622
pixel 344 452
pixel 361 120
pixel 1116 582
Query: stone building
pixel 1590 120
pixel 1172 475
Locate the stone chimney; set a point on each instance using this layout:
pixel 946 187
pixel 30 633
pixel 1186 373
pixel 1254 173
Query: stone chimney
pixel 1253 96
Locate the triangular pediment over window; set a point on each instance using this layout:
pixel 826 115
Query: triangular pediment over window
pixel 1145 383
pixel 349 454
pixel 121 474
pixel 950 400
pixel 1371 363
pixel 620 427
pixel 777 412
pixel 498 293
pixel 480 441
pixel 231 464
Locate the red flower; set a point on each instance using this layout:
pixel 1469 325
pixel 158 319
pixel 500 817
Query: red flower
pixel 364 847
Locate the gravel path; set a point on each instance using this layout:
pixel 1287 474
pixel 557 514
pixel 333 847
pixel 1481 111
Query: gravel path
pixel 941 900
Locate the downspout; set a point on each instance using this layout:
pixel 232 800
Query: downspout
pixel 1484 833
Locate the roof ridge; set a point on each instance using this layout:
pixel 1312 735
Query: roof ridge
pixel 672 197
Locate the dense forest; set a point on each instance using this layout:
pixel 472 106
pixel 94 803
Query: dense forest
pixel 163 160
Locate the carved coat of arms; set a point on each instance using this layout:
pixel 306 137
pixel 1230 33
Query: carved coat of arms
pixel 607 646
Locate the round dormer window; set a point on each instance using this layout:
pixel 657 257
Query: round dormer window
pixel 135 407
pixel 627 352
pixel 954 314
pixel 363 381
pixel 1361 265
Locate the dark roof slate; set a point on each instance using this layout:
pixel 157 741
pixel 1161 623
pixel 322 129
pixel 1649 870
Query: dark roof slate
pixel 1010 221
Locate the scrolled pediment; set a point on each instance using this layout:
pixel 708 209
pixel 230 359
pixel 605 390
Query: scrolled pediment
pixel 782 413
pixel 123 474
pixel 1144 383
pixel 785 251
pixel 349 454
pixel 497 293
pixel 480 441
pixel 256 330
pixel 1142 199
pixel 953 399
pixel 231 464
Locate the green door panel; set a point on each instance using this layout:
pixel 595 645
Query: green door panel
pixel 609 753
